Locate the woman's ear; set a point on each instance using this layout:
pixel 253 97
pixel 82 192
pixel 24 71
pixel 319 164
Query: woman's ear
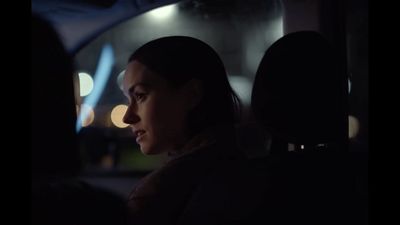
pixel 193 92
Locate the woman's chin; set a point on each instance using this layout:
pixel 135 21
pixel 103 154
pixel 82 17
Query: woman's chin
pixel 148 151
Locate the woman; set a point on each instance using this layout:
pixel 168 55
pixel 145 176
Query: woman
pixel 180 103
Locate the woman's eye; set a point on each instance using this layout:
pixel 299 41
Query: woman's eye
pixel 140 96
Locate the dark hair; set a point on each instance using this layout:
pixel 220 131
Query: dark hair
pixel 179 59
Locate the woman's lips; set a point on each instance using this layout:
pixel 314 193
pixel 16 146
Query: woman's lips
pixel 139 135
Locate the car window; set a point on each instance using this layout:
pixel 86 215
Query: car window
pixel 240 31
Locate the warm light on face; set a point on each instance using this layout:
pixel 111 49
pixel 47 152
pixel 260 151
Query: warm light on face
pixel 85 84
pixel 163 12
pixel 117 115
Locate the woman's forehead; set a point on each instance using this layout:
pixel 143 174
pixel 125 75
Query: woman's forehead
pixel 139 74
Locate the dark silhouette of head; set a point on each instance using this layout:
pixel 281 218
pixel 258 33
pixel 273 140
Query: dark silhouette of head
pixel 180 59
pixel 299 93
pixel 54 144
pixel 58 195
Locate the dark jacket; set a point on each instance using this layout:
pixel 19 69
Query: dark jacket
pixel 162 196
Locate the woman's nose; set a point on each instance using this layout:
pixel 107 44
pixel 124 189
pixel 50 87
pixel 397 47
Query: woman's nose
pixel 130 116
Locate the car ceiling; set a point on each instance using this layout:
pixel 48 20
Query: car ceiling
pixel 88 18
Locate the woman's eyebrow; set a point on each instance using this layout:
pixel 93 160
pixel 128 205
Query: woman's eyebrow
pixel 133 87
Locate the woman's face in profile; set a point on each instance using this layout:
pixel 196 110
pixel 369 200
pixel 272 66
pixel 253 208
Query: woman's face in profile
pixel 156 111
